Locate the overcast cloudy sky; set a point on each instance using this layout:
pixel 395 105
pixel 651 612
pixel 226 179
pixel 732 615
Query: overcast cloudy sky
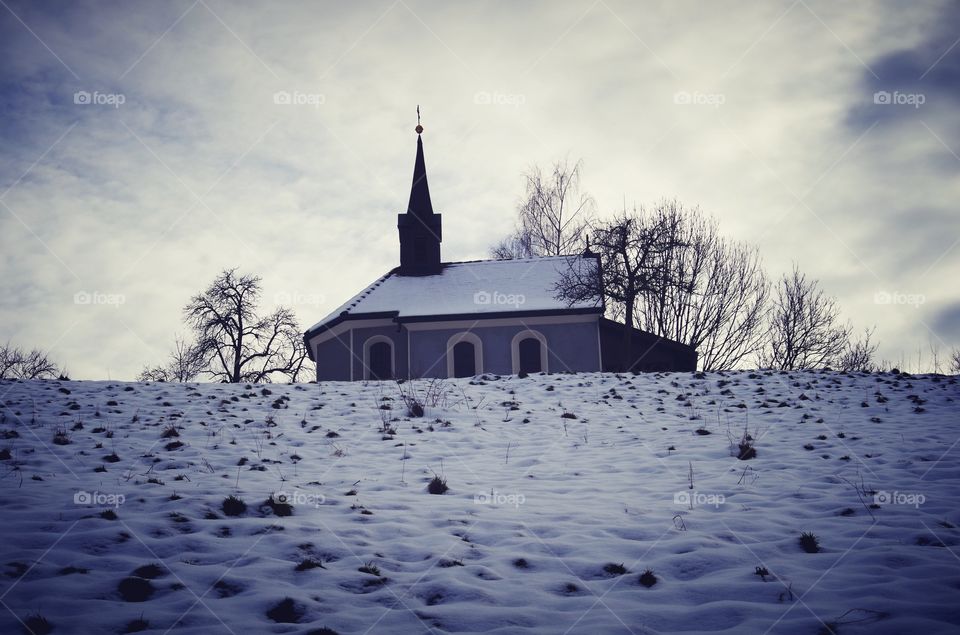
pixel 177 161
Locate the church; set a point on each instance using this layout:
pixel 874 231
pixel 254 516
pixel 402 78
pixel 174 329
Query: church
pixel 429 318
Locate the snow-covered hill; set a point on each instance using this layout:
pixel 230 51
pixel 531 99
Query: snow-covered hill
pixel 569 508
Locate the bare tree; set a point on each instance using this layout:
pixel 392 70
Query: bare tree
pixel 516 245
pixel 36 365
pixel 718 296
pixel 804 327
pixel 9 359
pixel 630 248
pixel 859 354
pixel 154 374
pixel 233 342
pixel 15 363
pixel 955 361
pixel 185 364
pixel 553 215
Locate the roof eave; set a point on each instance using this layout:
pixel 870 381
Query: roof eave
pixel 448 317
pixel 326 326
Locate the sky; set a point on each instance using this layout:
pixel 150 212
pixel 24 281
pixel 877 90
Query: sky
pixel 149 145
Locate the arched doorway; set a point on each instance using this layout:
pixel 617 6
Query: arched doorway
pixel 528 351
pixel 464 359
pixel 530 355
pixel 464 355
pixel 380 360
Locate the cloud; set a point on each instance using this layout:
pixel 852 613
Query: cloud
pixel 916 79
pixel 947 323
pixel 200 168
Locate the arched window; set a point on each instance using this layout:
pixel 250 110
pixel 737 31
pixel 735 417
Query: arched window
pixel 464 355
pixel 529 352
pixel 378 358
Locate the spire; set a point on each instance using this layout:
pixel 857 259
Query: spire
pixel 420 229
pixel 419 204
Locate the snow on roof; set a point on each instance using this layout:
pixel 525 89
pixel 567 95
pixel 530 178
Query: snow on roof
pixel 474 287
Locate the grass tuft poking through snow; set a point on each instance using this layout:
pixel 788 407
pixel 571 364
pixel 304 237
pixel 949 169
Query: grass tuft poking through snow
pixel 370 568
pixel 233 506
pixel 647 578
pixel 809 542
pixel 615 569
pixel 437 485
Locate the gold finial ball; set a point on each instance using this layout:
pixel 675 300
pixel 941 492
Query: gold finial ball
pixel 419 128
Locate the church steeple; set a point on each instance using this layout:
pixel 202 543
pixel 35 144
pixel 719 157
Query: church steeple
pixel 419 227
pixel 420 192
